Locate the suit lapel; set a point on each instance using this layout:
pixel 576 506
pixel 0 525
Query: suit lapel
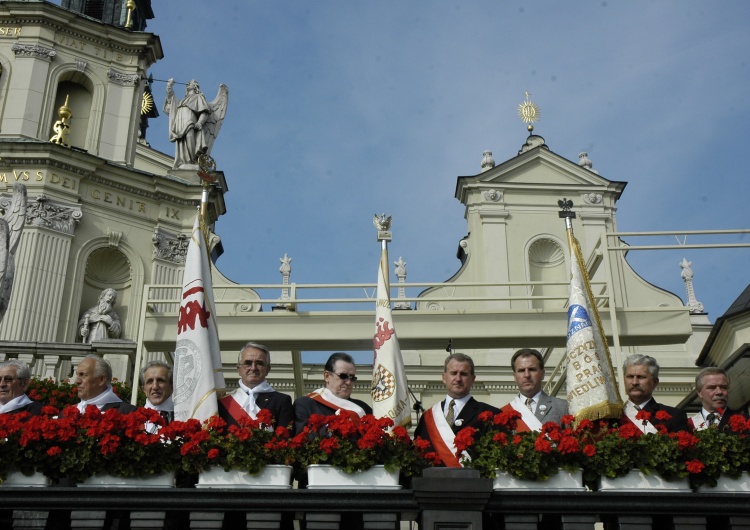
pixel 467 414
pixel 542 411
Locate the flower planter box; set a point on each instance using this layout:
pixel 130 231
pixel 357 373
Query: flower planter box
pixel 270 477
pixel 564 480
pixel 102 480
pixel 730 485
pixel 16 479
pixel 637 481
pixel 321 476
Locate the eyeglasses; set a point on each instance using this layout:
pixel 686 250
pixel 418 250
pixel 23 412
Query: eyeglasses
pixel 249 364
pixel 8 379
pixel 346 377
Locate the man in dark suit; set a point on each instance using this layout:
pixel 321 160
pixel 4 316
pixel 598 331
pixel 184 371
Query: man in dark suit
pixel 15 377
pixel 339 375
pixel 535 405
pixel 254 392
pixel 441 423
pixel 93 379
pixel 712 386
pixel 641 377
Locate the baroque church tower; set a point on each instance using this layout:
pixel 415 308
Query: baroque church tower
pixel 104 209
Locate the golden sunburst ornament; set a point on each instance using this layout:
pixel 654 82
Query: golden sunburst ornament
pixel 529 112
pixel 147 103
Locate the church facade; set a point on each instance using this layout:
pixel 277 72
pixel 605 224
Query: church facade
pixel 106 211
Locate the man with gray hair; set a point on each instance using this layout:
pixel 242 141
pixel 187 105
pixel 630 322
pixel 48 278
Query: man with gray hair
pixel 15 377
pixel 712 386
pixel 156 383
pixel 254 392
pixel 641 377
pixel 93 380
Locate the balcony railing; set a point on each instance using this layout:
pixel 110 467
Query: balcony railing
pixel 443 498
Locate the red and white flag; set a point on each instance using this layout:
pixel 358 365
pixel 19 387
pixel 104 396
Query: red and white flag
pixel 389 392
pixel 197 365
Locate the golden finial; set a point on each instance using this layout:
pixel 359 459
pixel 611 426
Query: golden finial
pixel 529 112
pixel 130 6
pixel 61 127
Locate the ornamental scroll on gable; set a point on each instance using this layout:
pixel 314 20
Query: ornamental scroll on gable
pixel 194 123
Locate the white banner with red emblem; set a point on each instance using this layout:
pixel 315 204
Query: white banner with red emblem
pixel 197 363
pixel 390 395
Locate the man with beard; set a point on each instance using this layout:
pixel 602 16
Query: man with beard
pixel 101 321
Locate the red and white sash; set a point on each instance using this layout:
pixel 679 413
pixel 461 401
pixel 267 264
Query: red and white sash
pixel 441 435
pixel 528 421
pixel 631 412
pixel 233 405
pixel 341 406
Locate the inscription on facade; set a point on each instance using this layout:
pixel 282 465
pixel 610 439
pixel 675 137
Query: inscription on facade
pixel 10 31
pixel 104 53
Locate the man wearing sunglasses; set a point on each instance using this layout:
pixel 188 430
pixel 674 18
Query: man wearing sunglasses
pixel 339 374
pixel 15 377
pixel 254 392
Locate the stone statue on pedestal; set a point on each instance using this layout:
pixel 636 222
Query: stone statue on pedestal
pixel 100 322
pixel 194 123
pixel 11 227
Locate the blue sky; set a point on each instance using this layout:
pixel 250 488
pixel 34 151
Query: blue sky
pixel 340 109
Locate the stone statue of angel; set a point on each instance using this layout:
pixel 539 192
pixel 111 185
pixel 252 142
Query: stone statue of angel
pixel 11 227
pixel 194 123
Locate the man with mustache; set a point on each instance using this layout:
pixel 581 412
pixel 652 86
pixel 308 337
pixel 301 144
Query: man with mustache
pixel 712 385
pixel 641 377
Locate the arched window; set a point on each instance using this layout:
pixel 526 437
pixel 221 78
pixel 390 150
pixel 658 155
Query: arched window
pixel 106 268
pixel 547 264
pixel 78 89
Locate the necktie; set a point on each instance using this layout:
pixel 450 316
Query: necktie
pixel 166 415
pixel 529 402
pixel 451 412
pixel 711 419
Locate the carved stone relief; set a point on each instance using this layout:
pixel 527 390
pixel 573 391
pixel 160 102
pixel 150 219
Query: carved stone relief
pixel 46 213
pixel 492 195
pixel 33 50
pixel 169 246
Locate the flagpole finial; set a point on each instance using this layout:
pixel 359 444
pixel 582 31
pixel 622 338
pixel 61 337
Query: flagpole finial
pixel 566 211
pixel 383 224
pixel 206 170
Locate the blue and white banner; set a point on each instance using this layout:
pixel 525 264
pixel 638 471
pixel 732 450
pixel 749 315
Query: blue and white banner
pixel 591 387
